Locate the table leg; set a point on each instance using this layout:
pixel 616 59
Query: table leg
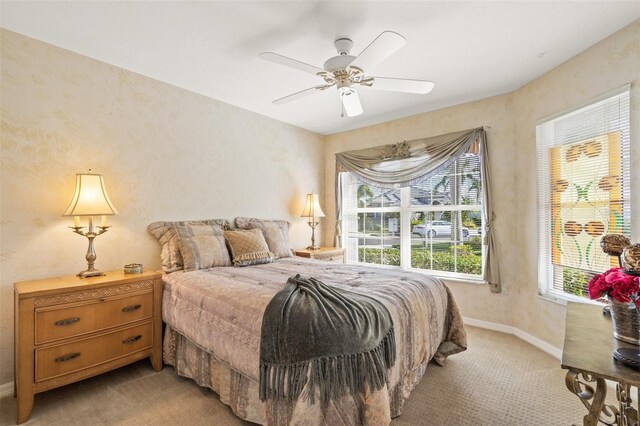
pixel 24 404
pixel 628 414
pixel 592 398
pixel 156 360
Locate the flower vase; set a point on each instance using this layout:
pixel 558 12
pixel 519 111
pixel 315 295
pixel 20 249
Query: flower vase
pixel 626 322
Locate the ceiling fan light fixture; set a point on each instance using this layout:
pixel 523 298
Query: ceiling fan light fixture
pixel 345 90
pixel 350 102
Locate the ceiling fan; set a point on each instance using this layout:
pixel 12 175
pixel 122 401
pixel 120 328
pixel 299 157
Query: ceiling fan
pixel 345 71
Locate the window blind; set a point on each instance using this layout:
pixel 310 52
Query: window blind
pixel 584 192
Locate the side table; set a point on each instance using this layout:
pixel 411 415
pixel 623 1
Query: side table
pixel 588 355
pixel 329 254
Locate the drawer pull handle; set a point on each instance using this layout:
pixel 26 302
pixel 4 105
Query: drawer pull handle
pixel 131 308
pixel 66 321
pixel 130 340
pixel 67 357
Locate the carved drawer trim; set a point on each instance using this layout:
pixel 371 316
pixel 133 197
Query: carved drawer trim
pixel 93 294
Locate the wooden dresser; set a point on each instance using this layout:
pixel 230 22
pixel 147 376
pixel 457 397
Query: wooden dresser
pixel 330 254
pixel 68 329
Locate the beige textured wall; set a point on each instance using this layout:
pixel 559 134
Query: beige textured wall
pixel 165 153
pixel 512 117
pixel 605 66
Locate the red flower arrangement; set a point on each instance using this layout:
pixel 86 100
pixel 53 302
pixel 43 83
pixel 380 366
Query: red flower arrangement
pixel 619 286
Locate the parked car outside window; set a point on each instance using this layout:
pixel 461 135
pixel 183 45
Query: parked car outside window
pixel 435 228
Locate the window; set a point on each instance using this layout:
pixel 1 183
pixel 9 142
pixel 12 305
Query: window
pixel 435 225
pixel 584 191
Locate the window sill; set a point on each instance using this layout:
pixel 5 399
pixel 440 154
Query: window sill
pixel 452 278
pixel 562 299
pixel 464 280
pixel 479 281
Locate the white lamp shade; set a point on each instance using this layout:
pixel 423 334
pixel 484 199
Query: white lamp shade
pixel 312 207
pixel 351 103
pixel 90 198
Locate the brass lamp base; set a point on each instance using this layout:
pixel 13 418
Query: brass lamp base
pixel 91 253
pixel 313 223
pixel 89 273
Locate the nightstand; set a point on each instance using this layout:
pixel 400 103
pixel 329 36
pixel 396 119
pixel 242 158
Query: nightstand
pixel 330 254
pixel 68 329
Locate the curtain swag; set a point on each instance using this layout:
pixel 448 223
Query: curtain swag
pixel 410 162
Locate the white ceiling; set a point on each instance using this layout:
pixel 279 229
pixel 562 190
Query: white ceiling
pixel 471 50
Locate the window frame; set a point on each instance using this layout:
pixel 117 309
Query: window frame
pixel 545 268
pixel 406 210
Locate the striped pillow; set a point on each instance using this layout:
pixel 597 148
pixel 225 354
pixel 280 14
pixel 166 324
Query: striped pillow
pixel 202 247
pixel 167 236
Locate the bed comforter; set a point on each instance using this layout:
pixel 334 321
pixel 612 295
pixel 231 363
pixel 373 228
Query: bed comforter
pixel 214 320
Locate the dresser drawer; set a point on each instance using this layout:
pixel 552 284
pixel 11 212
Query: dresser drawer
pixel 62 321
pixel 69 357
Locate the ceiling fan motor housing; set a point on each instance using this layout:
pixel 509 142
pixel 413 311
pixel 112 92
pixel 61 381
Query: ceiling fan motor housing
pixel 342 61
pixel 342 79
pixel 337 63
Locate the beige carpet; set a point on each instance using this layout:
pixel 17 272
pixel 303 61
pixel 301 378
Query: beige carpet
pixel 500 380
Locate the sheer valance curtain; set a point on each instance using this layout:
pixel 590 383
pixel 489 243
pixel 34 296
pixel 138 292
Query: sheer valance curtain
pixel 409 163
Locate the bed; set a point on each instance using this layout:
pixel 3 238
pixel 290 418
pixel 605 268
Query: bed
pixel 213 321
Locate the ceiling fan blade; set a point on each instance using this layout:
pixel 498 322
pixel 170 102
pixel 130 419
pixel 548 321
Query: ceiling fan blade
pixel 351 103
pixel 406 85
pixel 300 94
pixel 385 45
pixel 289 62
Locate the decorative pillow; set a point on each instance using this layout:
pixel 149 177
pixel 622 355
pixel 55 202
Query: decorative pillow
pixel 276 233
pixel 248 247
pixel 167 236
pixel 202 247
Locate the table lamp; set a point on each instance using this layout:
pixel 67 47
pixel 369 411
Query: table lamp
pixel 312 211
pixel 90 199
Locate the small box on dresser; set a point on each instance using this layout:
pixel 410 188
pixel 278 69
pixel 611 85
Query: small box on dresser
pixel 330 254
pixel 68 329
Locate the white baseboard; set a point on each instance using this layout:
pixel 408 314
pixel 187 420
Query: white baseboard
pixel 489 325
pixel 508 329
pixel 539 343
pixel 6 389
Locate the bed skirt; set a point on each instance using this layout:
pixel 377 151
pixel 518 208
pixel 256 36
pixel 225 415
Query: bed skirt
pixel 241 393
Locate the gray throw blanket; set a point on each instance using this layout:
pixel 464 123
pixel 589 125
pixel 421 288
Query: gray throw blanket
pixel 339 339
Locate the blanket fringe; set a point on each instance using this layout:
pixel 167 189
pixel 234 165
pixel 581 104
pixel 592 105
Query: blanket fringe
pixel 333 376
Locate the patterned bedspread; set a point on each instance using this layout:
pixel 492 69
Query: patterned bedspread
pixel 218 313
